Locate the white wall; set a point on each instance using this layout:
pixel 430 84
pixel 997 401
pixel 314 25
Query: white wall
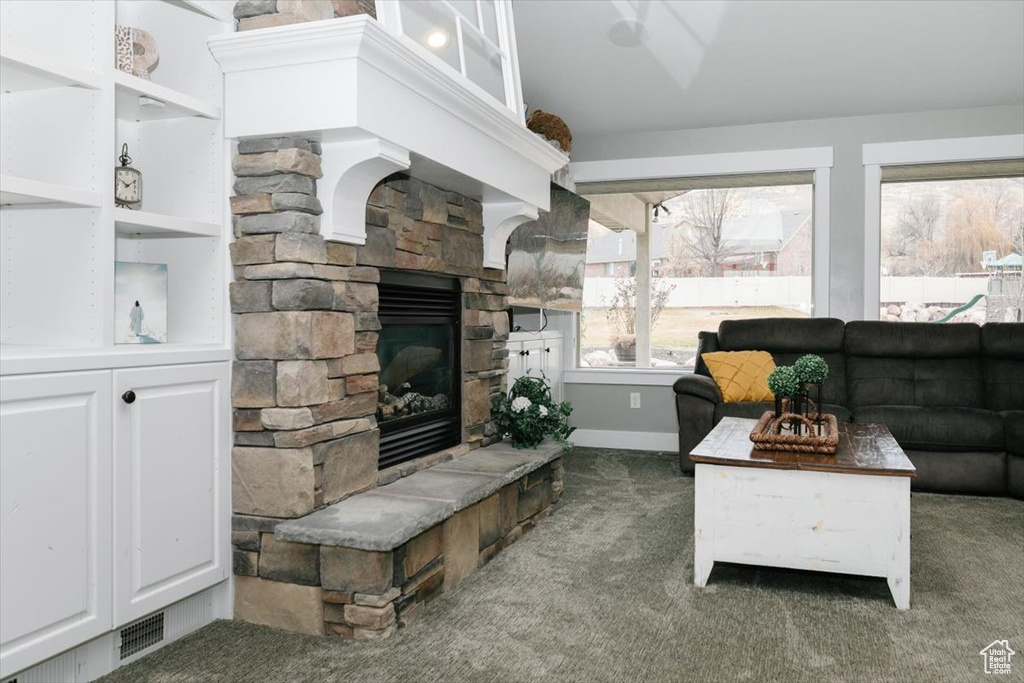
pixel 606 406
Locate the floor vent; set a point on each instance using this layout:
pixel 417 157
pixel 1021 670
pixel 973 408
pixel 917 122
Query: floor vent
pixel 141 634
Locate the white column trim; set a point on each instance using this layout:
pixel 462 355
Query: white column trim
pixel 872 239
pixel 821 243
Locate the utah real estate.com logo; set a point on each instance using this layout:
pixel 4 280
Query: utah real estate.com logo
pixel 997 657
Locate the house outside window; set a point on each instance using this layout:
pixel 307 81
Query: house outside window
pixel 742 249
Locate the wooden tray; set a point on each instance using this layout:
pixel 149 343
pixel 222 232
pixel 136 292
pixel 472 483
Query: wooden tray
pixel 766 436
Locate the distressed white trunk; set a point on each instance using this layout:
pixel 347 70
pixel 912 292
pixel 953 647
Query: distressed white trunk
pixel 822 521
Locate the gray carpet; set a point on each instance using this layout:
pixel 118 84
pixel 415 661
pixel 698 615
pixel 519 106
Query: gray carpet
pixel 602 591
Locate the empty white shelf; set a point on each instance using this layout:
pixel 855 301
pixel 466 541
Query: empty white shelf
pixel 22 69
pixel 221 10
pixel 15 191
pixel 161 103
pixel 143 224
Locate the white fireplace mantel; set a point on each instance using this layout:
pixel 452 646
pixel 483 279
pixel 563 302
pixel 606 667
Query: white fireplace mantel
pixel 378 106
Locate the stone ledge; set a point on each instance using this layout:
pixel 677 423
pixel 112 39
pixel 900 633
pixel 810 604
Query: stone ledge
pixel 388 516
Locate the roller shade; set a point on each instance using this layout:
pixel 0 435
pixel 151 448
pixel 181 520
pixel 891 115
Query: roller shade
pixel 961 170
pixel 680 185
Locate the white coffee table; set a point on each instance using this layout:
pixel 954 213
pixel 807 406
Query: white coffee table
pixel 847 513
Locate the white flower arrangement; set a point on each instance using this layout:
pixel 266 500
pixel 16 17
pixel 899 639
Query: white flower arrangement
pixel 521 403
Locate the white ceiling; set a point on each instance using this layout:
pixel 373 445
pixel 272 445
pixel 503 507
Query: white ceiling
pixel 731 62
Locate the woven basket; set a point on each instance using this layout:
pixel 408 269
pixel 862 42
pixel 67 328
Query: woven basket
pixel 552 127
pixel 766 436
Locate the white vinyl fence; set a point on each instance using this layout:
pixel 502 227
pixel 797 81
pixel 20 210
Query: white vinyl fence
pixel 792 292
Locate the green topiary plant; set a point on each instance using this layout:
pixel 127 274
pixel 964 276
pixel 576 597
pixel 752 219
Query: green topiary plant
pixel 783 381
pixel 528 414
pixel 811 369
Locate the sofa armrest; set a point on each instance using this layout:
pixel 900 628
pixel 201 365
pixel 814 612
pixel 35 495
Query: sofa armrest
pixel 698 386
pixel 696 399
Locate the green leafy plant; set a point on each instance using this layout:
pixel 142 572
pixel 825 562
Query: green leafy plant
pixel 528 414
pixel 784 381
pixel 811 368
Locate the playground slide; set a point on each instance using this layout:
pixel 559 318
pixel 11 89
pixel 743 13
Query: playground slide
pixel 960 309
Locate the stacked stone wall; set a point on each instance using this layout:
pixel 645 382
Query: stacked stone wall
pixel 254 14
pixel 366 595
pixel 305 379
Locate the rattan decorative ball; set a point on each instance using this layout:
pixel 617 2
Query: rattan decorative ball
pixel 552 127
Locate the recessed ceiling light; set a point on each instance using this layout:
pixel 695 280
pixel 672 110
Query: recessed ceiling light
pixel 437 39
pixel 628 33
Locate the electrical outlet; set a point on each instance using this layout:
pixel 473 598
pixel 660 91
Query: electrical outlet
pixel 634 400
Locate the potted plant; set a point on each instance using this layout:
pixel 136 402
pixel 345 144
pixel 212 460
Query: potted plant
pixel 528 414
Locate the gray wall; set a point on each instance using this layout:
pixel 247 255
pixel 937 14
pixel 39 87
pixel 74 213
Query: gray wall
pixel 606 406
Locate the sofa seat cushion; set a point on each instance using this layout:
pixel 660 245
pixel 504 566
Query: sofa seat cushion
pixel 755 409
pixel 938 429
pixel 1013 428
pixel 971 472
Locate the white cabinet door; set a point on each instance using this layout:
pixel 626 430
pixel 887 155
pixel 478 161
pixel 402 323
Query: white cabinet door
pixel 516 361
pixel 171 484
pixel 552 366
pixel 55 531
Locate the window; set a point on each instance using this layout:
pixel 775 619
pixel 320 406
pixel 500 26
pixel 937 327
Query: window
pixel 952 236
pixel 726 247
pixel 470 36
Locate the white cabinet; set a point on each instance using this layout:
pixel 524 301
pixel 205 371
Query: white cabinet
pixel 114 500
pixel 171 496
pixel 536 354
pixel 55 503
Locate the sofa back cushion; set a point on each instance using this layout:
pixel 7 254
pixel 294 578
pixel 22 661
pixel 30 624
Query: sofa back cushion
pixel 914 364
pixel 1002 349
pixel 789 338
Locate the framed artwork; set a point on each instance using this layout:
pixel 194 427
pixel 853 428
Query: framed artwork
pixel 140 303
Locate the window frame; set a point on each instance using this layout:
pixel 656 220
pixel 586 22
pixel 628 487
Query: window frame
pixel 389 13
pixel 818 160
pixel 875 156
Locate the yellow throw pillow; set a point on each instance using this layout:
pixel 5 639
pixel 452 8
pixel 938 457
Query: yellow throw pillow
pixel 741 375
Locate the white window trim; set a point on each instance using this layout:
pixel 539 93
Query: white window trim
pixel 877 155
pixel 390 16
pixel 816 159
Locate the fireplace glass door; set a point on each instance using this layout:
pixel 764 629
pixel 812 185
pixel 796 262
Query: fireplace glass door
pixel 418 400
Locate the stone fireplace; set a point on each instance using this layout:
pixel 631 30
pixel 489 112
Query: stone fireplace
pixel 418 177
pixel 358 366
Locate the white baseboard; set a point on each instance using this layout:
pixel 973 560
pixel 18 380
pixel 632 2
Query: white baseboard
pixel 640 441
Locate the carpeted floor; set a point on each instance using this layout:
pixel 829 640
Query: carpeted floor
pixel 602 591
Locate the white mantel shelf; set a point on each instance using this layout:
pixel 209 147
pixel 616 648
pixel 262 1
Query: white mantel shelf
pixel 379 106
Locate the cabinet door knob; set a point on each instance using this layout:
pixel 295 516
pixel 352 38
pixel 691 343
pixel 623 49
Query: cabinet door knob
pixel 128 396
pixel 527 353
pixel 547 350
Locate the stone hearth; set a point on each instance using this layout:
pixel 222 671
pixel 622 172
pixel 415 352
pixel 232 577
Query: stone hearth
pixel 305 382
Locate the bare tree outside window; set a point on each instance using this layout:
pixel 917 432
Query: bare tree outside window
pixel 706 212
pixel 951 250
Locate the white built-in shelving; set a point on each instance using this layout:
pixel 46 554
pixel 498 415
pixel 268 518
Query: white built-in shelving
pixel 90 469
pixel 66 111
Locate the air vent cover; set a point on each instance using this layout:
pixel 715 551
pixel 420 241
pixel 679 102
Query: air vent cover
pixel 142 634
